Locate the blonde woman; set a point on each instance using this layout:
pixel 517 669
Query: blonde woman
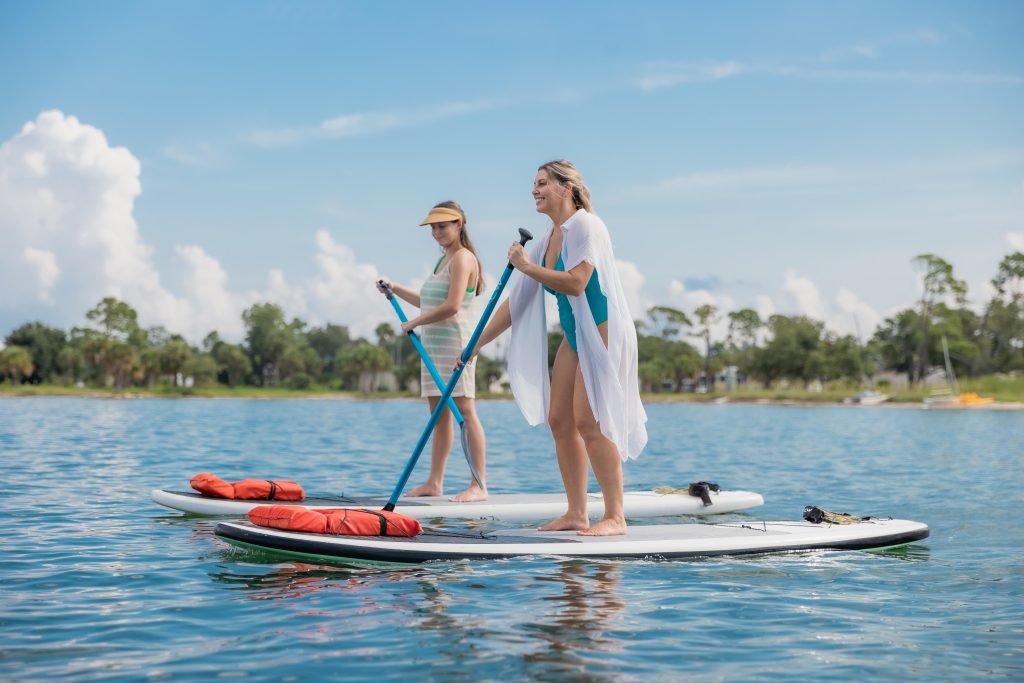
pixel 444 327
pixel 591 400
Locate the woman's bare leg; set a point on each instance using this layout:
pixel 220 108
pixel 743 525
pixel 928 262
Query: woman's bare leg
pixel 477 449
pixel 569 447
pixel 440 446
pixel 605 460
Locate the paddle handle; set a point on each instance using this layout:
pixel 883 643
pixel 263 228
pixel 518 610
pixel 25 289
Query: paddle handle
pixel 467 353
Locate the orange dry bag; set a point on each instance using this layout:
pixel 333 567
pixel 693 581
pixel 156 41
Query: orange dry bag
pixel 247 489
pixel 342 522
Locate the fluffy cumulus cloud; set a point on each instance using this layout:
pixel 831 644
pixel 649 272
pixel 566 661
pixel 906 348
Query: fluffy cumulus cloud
pixel 343 288
pixel 1015 240
pixel 688 300
pixel 764 306
pixel 801 296
pixel 69 236
pixel 798 295
pixel 45 265
pixel 804 294
pixel 632 284
pixel 856 316
pixel 66 205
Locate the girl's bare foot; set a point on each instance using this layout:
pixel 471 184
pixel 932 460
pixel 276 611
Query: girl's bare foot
pixel 606 527
pixel 470 495
pixel 567 523
pixel 425 490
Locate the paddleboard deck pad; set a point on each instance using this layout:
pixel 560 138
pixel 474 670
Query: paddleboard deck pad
pixel 662 541
pixel 510 507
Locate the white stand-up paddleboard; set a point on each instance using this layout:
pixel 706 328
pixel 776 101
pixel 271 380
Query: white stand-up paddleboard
pixel 668 541
pixel 511 507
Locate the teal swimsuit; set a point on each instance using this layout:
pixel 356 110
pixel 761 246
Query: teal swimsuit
pixel 598 305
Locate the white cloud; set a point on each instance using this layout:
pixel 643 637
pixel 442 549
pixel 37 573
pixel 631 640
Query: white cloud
pixel 214 306
pixel 66 192
pixel 804 293
pixel 701 183
pixel 851 315
pixel 871 49
pixel 632 284
pixel 344 289
pixel 692 299
pixel 47 271
pixel 858 317
pixel 201 154
pixel 1015 240
pixel 661 75
pixel 366 123
pixel 874 76
pixel 819 178
pixel 669 74
pixel 67 202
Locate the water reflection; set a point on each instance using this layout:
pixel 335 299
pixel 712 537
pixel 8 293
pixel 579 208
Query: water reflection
pixel 579 619
pixel 909 553
pixel 458 607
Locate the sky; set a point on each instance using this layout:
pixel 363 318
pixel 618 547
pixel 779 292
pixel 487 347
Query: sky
pixel 194 158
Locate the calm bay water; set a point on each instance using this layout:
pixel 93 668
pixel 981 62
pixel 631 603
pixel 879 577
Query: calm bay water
pixel 100 583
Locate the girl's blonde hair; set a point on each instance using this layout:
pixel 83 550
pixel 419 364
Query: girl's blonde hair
pixel 465 241
pixel 565 173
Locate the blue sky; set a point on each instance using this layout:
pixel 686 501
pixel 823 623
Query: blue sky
pixel 196 157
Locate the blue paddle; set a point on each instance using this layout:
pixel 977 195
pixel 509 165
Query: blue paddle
pixel 432 369
pixel 467 353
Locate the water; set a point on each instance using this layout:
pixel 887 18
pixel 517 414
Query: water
pixel 99 583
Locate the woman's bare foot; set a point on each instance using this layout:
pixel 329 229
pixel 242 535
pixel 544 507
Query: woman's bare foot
pixel 606 527
pixel 470 495
pixel 566 523
pixel 425 490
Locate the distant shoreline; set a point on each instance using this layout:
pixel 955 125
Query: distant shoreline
pixel 648 399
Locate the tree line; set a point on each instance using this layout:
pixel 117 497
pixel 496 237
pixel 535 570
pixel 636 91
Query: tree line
pixel 114 350
pixel 798 348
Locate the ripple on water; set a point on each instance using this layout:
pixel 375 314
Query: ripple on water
pixel 100 583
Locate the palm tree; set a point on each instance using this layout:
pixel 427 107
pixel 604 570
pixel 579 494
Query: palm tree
pixel 16 363
pixel 707 315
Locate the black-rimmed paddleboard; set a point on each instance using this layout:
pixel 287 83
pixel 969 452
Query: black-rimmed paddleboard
pixel 667 541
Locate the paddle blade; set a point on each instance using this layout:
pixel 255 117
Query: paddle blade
pixel 464 435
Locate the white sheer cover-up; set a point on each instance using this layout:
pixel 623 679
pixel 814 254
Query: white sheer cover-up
pixel 609 373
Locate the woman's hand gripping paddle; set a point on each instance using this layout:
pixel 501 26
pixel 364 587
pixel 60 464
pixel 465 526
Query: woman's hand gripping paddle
pixel 432 369
pixel 467 353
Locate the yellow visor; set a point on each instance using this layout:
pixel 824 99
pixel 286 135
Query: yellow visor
pixel 440 214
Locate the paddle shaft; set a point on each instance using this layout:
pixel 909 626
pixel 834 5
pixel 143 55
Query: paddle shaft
pixel 467 353
pixel 415 339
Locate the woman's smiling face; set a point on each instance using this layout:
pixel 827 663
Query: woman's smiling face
pixel 549 196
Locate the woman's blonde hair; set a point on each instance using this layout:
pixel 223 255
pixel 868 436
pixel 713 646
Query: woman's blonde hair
pixel 465 241
pixel 566 173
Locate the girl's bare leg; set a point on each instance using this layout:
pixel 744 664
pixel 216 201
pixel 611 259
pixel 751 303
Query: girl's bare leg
pixel 440 446
pixel 607 465
pixel 477 449
pixel 569 446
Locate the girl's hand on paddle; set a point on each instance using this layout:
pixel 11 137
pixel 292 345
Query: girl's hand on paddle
pixel 517 256
pixel 383 284
pixel 408 327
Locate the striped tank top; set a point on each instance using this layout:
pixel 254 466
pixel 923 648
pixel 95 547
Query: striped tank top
pixel 445 340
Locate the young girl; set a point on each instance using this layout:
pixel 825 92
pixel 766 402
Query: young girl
pixel 444 327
